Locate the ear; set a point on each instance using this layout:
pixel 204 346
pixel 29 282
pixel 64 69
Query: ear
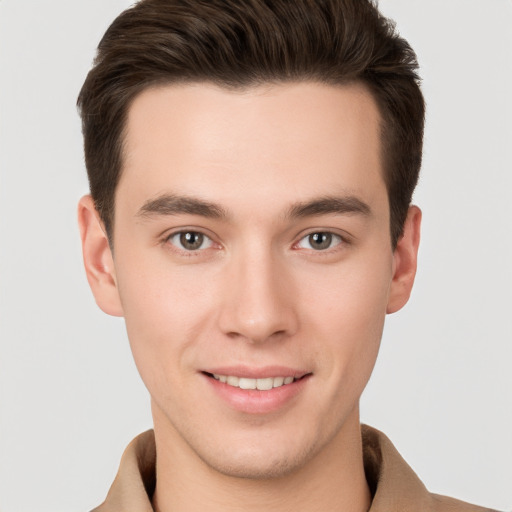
pixel 98 259
pixel 405 258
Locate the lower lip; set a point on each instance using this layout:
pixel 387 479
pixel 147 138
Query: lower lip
pixel 254 401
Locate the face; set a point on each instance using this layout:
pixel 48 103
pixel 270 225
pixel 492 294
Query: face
pixel 253 265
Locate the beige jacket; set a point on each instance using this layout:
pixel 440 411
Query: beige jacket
pixel 394 485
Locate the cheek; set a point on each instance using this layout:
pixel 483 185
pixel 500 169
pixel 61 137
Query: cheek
pixel 349 316
pixel 165 311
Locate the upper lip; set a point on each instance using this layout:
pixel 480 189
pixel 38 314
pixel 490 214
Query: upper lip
pixel 263 372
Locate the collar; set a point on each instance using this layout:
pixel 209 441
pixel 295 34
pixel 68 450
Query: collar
pixel 393 484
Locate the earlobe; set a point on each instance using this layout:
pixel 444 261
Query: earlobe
pixel 405 258
pixel 98 260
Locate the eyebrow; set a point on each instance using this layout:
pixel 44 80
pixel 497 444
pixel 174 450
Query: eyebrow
pixel 170 204
pixel 330 205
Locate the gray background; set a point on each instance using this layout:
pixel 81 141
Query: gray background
pixel 70 397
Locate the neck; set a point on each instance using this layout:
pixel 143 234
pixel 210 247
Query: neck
pixel 331 481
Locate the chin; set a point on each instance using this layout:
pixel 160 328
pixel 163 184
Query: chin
pixel 255 465
pixel 261 456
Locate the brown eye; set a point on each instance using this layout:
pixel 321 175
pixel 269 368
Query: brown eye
pixel 320 241
pixel 190 240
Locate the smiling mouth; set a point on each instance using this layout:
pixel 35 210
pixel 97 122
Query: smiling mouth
pixel 263 384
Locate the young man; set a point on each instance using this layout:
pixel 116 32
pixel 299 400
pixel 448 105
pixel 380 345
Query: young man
pixel 251 167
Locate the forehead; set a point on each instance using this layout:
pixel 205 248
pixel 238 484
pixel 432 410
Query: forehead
pixel 276 143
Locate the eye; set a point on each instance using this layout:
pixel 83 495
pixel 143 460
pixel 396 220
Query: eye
pixel 190 240
pixel 320 241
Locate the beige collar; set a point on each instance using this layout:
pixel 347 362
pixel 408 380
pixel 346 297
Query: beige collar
pixel 393 484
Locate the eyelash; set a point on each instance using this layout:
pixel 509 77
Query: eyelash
pixel 176 239
pixel 329 235
pixel 178 236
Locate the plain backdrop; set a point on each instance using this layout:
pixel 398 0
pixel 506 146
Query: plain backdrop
pixel 70 396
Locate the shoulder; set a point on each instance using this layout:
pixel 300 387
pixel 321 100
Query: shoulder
pixel 447 504
pixel 395 486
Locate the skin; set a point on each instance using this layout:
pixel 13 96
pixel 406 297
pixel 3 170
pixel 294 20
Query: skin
pixel 257 292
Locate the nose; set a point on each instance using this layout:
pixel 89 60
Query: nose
pixel 258 300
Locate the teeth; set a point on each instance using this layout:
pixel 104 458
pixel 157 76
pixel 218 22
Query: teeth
pixel 265 384
pixel 278 381
pixel 260 384
pixel 233 381
pixel 247 383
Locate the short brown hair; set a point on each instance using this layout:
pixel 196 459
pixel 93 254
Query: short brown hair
pixel 243 43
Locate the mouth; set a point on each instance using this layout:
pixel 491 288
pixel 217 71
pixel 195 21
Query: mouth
pixel 261 384
pixel 257 390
